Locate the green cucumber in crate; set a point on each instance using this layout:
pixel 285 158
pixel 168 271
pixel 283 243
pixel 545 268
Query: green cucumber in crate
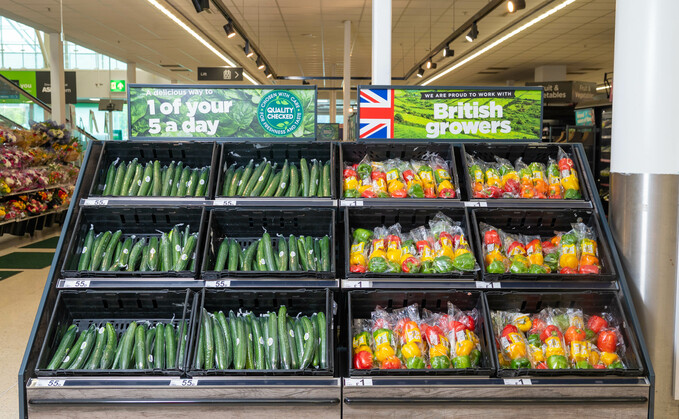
pixel 294 355
pixel 150 345
pixel 285 176
pixel 146 180
pixel 168 180
pixel 84 349
pixel 304 172
pixel 186 252
pixel 135 185
pixel 249 350
pixel 254 178
pixel 228 177
pixel 110 178
pixel 245 179
pixel 293 264
pixel 170 347
pixel 109 350
pixel 157 184
pixel 261 181
pixel 86 252
pixel 273 185
pixel 282 254
pixel 234 255
pixel 183 338
pixel 192 183
pixel 178 171
pixel 313 179
pixel 98 351
pixel 235 182
pixel 228 341
pixel 129 175
pixel 135 254
pixel 222 254
pixel 309 343
pixel 202 182
pixel 327 183
pixel 159 347
pixel 63 348
pixel 119 179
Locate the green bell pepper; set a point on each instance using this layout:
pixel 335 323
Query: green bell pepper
pixel 553 170
pixel 537 269
pixel 583 365
pixel 568 238
pixel 362 235
pixel 440 362
pixel 408 247
pixel 475 357
pixel 589 334
pixel 382 194
pixel 557 362
pixel 351 193
pixel 572 194
pixel 443 264
pixel 552 261
pixel 427 267
pixel 464 262
pixel 496 267
pixel 364 171
pixel 415 363
pixel 518 268
pixel 616 365
pixel 462 362
pixel 378 264
pixel 561 321
pixel 392 266
pixel 534 340
pixel 415 190
pixel 519 363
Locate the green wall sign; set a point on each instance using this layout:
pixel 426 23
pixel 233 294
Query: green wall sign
pixel 25 80
pixel 222 112
pixel 118 86
pixel 426 113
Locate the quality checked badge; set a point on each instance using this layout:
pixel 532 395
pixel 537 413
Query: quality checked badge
pixel 280 113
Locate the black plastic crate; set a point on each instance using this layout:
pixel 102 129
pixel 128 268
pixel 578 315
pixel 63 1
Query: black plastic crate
pixel 276 152
pixel 543 223
pixel 353 153
pixel 369 218
pixel 591 303
pixel 530 153
pixel 195 154
pixel 86 307
pixel 246 226
pixel 141 222
pixel 259 302
pixel 362 303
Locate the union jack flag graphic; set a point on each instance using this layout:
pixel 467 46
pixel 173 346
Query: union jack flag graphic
pixel 376 113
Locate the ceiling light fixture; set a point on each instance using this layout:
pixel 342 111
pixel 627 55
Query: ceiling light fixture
pixel 247 50
pixel 260 64
pixel 268 74
pixel 604 87
pixel 420 72
pixel 448 52
pixel 201 5
pixel 498 41
pixel 229 29
pixel 433 66
pixel 199 38
pixel 428 64
pixel 473 33
pixel 514 5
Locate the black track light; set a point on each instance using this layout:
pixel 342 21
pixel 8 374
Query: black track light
pixel 473 33
pixel 268 74
pixel 514 5
pixel 420 72
pixel 304 82
pixel 247 50
pixel 448 52
pixel 260 64
pixel 229 29
pixel 201 5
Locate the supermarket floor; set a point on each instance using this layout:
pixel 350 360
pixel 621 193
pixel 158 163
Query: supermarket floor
pixel 23 272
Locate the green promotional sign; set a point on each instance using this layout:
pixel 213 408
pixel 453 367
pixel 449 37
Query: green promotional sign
pixel 118 86
pixel 222 112
pixel 425 113
pixel 25 80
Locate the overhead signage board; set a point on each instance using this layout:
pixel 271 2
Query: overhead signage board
pixel 566 92
pixel 449 113
pixel 584 116
pixel 37 84
pixel 117 86
pixel 221 112
pixel 220 73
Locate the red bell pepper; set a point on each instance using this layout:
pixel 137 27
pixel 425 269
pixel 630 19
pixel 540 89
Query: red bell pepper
pixel 550 331
pixel 368 193
pixel 568 271
pixel 588 269
pixel 391 363
pixel 360 269
pixel 399 193
pixel 596 323
pixel 538 326
pixel 491 237
pixel 363 360
pixel 378 176
pixel 516 248
pixel 349 173
pixel 468 322
pixel 565 164
pixel 457 326
pixel 574 334
pixel 599 367
pixel 607 341
pixel 541 366
pixel 510 328
pixel 447 193
pixel 411 264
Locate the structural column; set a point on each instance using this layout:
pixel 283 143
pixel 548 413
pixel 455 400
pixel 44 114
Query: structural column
pixel 381 42
pixel 645 179
pixel 346 84
pixel 333 106
pixel 131 73
pixel 57 78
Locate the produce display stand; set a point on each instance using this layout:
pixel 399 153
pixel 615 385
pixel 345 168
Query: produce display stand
pixel 339 390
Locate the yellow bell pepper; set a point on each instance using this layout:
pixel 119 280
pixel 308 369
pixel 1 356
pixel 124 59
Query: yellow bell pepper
pixel 350 183
pixel 394 255
pixel 438 350
pixel 579 351
pixel 461 251
pixel 568 260
pixel 364 188
pixel 593 358
pixel 536 353
pixel 504 362
pixel 493 256
pixel 588 247
pixel 395 185
pixel 362 348
pixel 410 350
pixel 384 352
pixel 446 184
pixel 536 259
pixel 464 347
pixel 554 346
pixel 517 350
pixel 523 323
pixel 446 251
pixel 608 358
pixel 378 253
pixel 570 182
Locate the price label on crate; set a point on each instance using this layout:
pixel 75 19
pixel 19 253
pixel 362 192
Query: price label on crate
pixel 225 202
pixel 76 283
pixel 183 382
pixel 475 204
pixel 357 284
pixel 518 382
pixel 91 202
pixel 483 284
pixel 222 283
pixel 358 382
pixel 351 203
pixel 47 382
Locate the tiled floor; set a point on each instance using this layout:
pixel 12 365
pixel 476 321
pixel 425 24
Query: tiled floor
pixel 19 298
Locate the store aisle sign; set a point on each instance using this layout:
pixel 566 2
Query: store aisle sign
pixel 418 113
pixel 174 111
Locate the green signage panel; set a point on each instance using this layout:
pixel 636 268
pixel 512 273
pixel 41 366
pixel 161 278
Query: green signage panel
pixel 449 113
pixel 222 112
pixel 24 79
pixel 118 86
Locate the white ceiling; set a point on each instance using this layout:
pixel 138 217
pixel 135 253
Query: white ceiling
pixel 305 37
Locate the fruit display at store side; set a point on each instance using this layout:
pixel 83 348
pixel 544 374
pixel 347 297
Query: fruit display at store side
pixel 150 179
pixel 574 252
pixel 558 338
pixel 428 177
pixel 109 251
pixel 499 179
pixel 404 339
pixel 311 179
pixel 292 254
pixel 143 345
pixel 274 340
pixel 441 248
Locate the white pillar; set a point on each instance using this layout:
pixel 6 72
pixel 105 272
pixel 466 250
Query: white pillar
pixel 57 78
pixel 131 73
pixel 346 89
pixel 645 179
pixel 381 46
pixel 333 106
pixel 550 73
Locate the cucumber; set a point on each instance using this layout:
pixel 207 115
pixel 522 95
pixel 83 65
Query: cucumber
pixel 183 341
pixel 322 340
pixel 245 179
pixel 146 180
pixel 98 254
pixel 325 254
pixel 129 175
pixel 186 252
pixel 302 254
pixel 321 181
pixel 200 350
pixel 192 183
pixel 236 342
pixel 165 253
pixel 228 341
pixel 170 347
pixel 234 253
pixel 250 354
pixel 154 257
pixel 282 254
pixel 220 344
pixel 260 262
pixel 249 256
pixel 72 353
pixel 293 190
pixel 256 175
pixel 327 182
pixel 304 170
pixel 268 253
pixel 264 327
pixel 185 236
pixel 222 255
pixel 140 358
pixel 98 351
pixel 118 353
pixel 63 348
pixel 294 356
pixel 84 349
pixel 149 345
pixel 293 264
pixel 110 348
pixel 272 341
pixel 285 177
pixel 258 343
pixel 209 340
pixel 202 182
pixel 175 246
pixel 135 185
pixel 110 250
pixel 310 253
pixel 119 179
pixel 86 252
pixel 228 177
pixel 176 181
pixel 273 185
pixel 315 361
pixel 299 340
pixel 156 185
pixel 317 255
pixel 261 181
pixel 183 182
pixel 309 340
pixel 283 338
pixel 159 347
pixel 169 179
pixel 135 254
pixel 128 340
pixel 313 179
pixel 235 181
pixel 110 177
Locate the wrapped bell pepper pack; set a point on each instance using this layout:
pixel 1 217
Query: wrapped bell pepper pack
pixel 524 180
pixel 441 248
pixel 404 339
pixel 558 338
pixel 427 177
pixel 575 252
